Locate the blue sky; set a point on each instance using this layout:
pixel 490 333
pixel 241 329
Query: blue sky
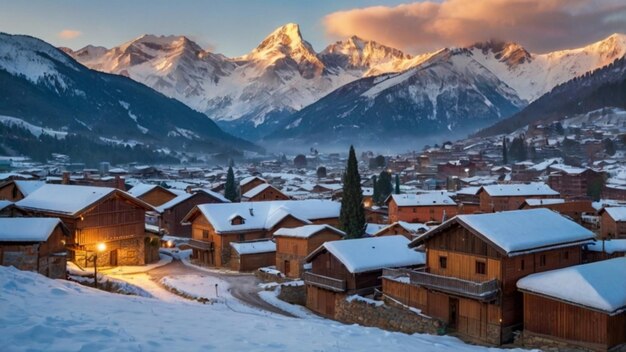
pixel 230 27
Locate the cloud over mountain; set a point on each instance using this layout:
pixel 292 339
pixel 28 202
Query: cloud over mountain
pixel 540 25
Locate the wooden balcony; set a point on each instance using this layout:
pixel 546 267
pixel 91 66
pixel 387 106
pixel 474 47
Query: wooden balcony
pixel 325 282
pixel 202 245
pixel 484 291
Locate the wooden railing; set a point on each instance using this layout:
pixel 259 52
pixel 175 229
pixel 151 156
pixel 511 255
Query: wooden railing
pixel 477 290
pixel 325 282
pixel 205 245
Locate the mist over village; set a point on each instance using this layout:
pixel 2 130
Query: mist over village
pixel 441 175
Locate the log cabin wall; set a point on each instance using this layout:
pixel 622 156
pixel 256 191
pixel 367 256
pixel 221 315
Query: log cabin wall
pixel 10 192
pixel 157 196
pixel 268 194
pixel 294 250
pixel 171 218
pixel 250 185
pixel 420 214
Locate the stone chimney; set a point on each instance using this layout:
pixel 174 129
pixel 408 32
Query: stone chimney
pixel 120 183
pixel 66 178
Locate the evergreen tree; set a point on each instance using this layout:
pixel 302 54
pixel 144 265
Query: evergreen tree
pixel 230 190
pixel 397 184
pixel 352 215
pixel 609 147
pixel 505 156
pixel 375 194
pixel 384 187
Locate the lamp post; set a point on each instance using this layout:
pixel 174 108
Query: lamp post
pixel 100 247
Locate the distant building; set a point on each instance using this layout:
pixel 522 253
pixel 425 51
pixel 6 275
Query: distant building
pixel 421 208
pixel 504 197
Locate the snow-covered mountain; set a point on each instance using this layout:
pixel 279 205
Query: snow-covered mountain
pixel 42 86
pixel 533 75
pixel 251 94
pixel 449 94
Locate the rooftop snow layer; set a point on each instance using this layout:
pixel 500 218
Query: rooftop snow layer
pixel 595 285
pixel 533 202
pixel 522 230
pixel 609 247
pixel 617 213
pixel 27 229
pixel 141 189
pixel 375 253
pixel 66 199
pixel 520 189
pixel 27 187
pixel 305 231
pixel 431 198
pixel 256 190
pixel 254 247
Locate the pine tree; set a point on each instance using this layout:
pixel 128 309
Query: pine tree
pixel 505 156
pixel 397 184
pixel 375 194
pixel 230 190
pixel 352 215
pixel 384 187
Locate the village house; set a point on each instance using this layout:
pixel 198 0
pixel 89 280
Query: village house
pixel 421 208
pixel 613 223
pixel 603 250
pixel 473 263
pixel 575 182
pixel 574 209
pixel 406 229
pixel 249 183
pixel 34 244
pixel 293 245
pixel 8 209
pixel 504 197
pixel 96 217
pixel 251 255
pixel 171 213
pixel 154 195
pixel 15 190
pixel 263 192
pixel 583 305
pixel 215 226
pixel 349 267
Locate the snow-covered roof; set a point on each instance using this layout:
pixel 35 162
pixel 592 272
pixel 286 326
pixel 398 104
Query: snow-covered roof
pixel 5 203
pixel 69 199
pixel 599 286
pixel 28 187
pixel 183 196
pixel 258 189
pixel 254 247
pixel 371 229
pixel 410 227
pixel 519 231
pixel 616 213
pixel 520 189
pixel 471 191
pixel 609 247
pixel 140 189
pixel 27 229
pixel 265 215
pixel 534 202
pixel 249 179
pixel 372 253
pixel 424 199
pixel 306 231
pixel 572 170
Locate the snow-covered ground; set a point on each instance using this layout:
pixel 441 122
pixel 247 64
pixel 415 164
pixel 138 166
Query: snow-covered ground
pixel 55 315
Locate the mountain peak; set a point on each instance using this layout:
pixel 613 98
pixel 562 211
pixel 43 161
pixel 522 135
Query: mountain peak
pixel 511 53
pixel 285 39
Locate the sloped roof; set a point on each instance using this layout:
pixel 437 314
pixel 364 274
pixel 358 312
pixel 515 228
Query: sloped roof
pixel 372 253
pixel 254 247
pixel 518 231
pixel 306 231
pixel 410 227
pixel 423 199
pixel 27 229
pixel 183 196
pixel 616 213
pixel 28 187
pixel 599 285
pixel 258 189
pixel 533 202
pixel 520 189
pixel 142 188
pixel 249 179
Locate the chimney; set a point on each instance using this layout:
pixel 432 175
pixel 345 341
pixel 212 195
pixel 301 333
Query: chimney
pixel 66 178
pixel 120 183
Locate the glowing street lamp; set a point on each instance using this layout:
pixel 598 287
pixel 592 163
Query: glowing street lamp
pixel 100 247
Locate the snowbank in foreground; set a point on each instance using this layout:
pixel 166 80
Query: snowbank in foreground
pixel 52 315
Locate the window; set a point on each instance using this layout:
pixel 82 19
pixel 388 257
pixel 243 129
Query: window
pixel 542 260
pixel 443 262
pixel 205 234
pixel 566 255
pixel 521 265
pixel 414 210
pixel 481 268
pixel 242 237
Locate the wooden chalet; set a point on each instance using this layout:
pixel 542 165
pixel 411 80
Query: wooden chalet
pixel 474 261
pixel 348 267
pixel 171 213
pixel 263 192
pixel 574 209
pixel 34 244
pixel 421 208
pixel 504 197
pixel 215 226
pixel 154 195
pixel 613 223
pixel 603 250
pixel 249 183
pixel 583 305
pixel 8 209
pixel 252 255
pixel 293 245
pixel 574 182
pixel 14 190
pixel 406 229
pixel 94 215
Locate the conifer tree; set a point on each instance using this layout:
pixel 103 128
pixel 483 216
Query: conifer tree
pixel 384 187
pixel 375 194
pixel 505 156
pixel 352 215
pixel 397 184
pixel 230 190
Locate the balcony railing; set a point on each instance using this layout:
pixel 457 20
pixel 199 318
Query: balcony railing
pixel 325 282
pixel 478 290
pixel 203 245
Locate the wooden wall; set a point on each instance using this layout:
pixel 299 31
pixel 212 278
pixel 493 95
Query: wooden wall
pixel 10 192
pixel 157 196
pixel 268 194
pixel 250 185
pixel 463 266
pixel 420 214
pixel 322 301
pixel 172 217
pixel 295 249
pixel 251 262
pixel 111 220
